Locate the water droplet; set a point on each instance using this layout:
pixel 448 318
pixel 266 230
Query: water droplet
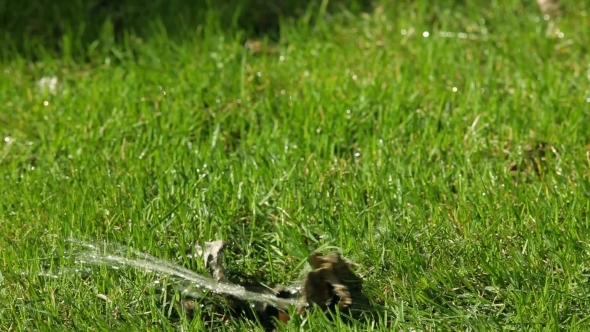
pixel 425 34
pixel 454 89
pixel 45 103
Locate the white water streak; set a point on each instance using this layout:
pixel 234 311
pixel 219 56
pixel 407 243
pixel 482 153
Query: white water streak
pixel 115 259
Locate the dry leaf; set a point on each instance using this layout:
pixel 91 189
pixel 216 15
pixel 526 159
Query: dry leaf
pixel 213 257
pixel 549 6
pixel 331 284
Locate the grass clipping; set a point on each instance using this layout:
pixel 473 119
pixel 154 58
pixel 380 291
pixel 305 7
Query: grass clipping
pixel 329 285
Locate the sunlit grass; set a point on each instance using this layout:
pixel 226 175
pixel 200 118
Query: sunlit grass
pixel 443 149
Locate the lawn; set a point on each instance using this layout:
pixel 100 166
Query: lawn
pixel 443 149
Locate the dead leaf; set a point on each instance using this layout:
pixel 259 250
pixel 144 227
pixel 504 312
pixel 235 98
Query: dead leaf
pixel 549 6
pixel 331 284
pixel 213 257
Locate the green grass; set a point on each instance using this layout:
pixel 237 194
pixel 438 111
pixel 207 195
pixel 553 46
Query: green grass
pixel 408 154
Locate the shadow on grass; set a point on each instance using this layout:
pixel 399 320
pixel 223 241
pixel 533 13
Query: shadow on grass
pixel 72 26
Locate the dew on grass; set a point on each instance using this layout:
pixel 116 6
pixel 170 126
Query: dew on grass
pixel 463 35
